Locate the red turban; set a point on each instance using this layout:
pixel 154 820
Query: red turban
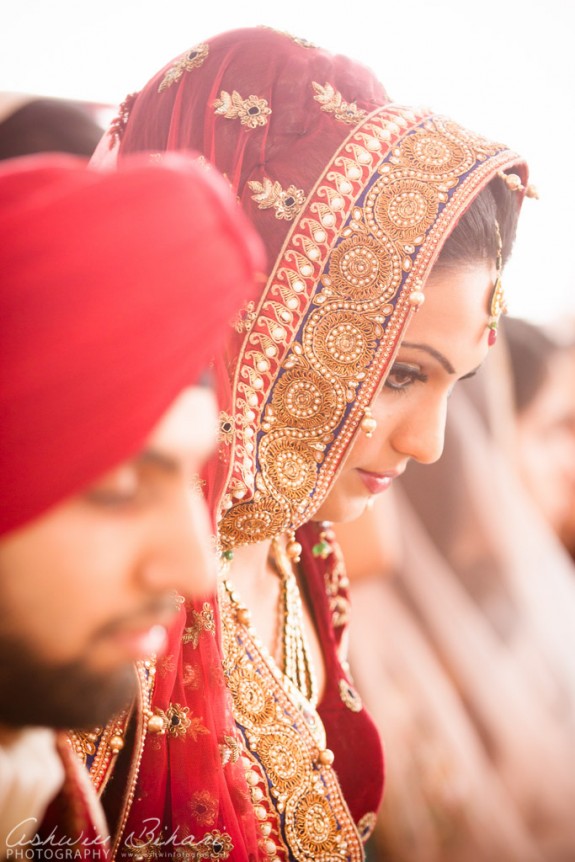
pixel 115 289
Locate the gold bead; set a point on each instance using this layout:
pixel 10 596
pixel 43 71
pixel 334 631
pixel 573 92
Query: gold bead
pixel 293 550
pixel 326 757
pixel 416 298
pixel 156 724
pixel 243 616
pixel 368 424
pixel 116 743
pixel 513 182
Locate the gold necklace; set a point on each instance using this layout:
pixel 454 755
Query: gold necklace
pixel 296 658
pixel 295 662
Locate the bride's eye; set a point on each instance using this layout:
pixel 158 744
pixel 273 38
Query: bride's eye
pixel 403 375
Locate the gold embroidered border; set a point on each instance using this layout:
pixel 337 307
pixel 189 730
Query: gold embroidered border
pixel 291 293
pixel 286 737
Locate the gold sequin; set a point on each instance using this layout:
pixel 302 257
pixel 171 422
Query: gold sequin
pixel 252 112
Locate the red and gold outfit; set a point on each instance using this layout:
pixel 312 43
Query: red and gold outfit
pixel 353 196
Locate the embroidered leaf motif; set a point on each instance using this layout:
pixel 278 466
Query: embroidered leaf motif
pixel 332 102
pixel 286 204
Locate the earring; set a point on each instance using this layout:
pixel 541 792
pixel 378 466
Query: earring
pixel 368 424
pixel 293 547
pixel 497 304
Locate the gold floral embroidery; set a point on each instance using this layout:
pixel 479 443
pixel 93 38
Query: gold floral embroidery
pixel 191 677
pixel 202 621
pixel 226 434
pixel 166 665
pixel 268 194
pixel 245 318
pixel 192 59
pixel 203 807
pixel 350 696
pixel 177 721
pixel 332 102
pixel 252 112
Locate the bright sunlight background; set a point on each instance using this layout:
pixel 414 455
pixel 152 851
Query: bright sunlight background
pixel 506 69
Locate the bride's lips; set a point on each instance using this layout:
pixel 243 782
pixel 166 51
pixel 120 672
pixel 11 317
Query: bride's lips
pixel 376 483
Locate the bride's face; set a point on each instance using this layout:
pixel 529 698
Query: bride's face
pixel 446 341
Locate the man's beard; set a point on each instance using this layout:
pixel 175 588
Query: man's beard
pixel 60 696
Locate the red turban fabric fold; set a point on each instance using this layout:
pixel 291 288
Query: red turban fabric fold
pixel 115 289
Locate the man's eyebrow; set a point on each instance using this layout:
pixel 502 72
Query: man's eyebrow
pixel 154 458
pixel 443 360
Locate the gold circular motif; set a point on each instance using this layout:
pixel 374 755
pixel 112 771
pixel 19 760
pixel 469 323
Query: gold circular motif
pixel 303 399
pixel 283 759
pixel 253 703
pixel 364 269
pixel 435 154
pixel 342 341
pixel 478 143
pixel 402 208
pixel 315 824
pixel 290 468
pixel 246 523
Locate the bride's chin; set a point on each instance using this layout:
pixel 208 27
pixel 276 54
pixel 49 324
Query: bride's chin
pixel 342 510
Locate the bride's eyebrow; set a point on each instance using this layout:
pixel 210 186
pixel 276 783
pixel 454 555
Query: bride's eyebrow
pixel 443 360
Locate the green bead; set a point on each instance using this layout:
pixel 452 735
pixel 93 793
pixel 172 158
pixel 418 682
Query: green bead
pixel 322 549
pixel 228 555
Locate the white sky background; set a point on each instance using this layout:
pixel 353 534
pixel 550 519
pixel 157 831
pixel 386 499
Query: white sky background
pixel 506 69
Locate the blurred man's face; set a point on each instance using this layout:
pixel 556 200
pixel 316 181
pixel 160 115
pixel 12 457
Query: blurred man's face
pixel 89 587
